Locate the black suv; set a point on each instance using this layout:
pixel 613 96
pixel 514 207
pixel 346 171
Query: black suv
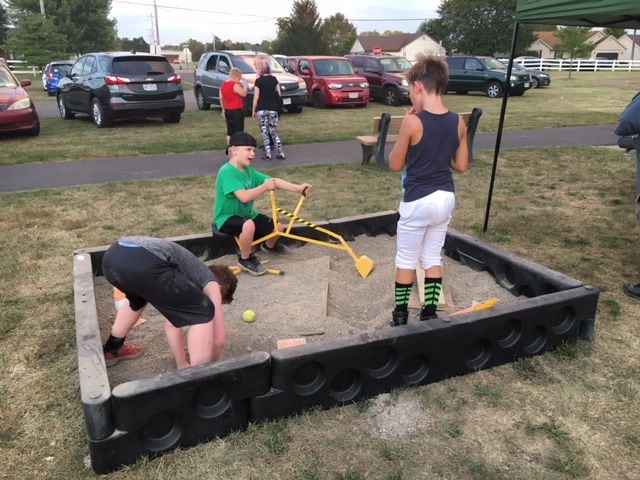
pixel 484 74
pixel 213 69
pixel 109 86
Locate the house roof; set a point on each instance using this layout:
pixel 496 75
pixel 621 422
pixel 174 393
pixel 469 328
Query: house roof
pixel 388 43
pixel 549 38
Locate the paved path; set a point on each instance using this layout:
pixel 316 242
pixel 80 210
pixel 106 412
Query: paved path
pixel 14 178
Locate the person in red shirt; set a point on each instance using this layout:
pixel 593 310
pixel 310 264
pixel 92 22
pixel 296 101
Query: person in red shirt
pixel 232 94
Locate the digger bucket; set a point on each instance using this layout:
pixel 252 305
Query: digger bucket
pixel 364 265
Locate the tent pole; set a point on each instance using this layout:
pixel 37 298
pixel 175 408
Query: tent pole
pixel 503 111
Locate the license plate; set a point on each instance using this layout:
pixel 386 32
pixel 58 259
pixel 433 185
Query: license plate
pixel 353 94
pixel 149 87
pixel 286 101
pixel 526 85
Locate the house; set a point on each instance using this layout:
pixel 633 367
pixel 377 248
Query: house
pixel 407 45
pixel 606 46
pixel 631 43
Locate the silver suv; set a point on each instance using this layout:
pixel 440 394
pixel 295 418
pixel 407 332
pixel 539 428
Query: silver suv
pixel 213 68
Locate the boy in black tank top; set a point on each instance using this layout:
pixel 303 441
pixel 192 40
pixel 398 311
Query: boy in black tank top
pixel 432 140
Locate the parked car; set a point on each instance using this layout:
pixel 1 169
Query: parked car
pixel 52 73
pixel 280 59
pixel 213 68
pixel 386 75
pixel 17 111
pixel 484 74
pixel 538 78
pixel 330 81
pixel 116 85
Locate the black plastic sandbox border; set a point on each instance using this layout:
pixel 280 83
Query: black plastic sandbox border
pixel 181 409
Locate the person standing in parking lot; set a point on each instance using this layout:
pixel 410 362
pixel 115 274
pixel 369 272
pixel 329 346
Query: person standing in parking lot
pixel 232 95
pixel 266 109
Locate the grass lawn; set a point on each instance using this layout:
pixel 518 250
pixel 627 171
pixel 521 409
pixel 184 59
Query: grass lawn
pixel 568 414
pixel 586 99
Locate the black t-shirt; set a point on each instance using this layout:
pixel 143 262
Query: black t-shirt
pixel 269 98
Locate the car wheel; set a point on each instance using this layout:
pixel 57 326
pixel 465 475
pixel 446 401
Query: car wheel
pixel 534 83
pixel 494 90
pixel 318 99
pixel 100 118
pixel 201 101
pixel 296 109
pixel 391 97
pixel 65 114
pixel 174 118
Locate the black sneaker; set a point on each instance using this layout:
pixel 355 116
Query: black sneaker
pixel 632 290
pixel 278 249
pixel 280 156
pixel 251 265
pixel 424 315
pixel 399 318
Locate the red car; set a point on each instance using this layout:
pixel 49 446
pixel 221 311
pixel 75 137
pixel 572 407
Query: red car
pixel 330 81
pixel 17 111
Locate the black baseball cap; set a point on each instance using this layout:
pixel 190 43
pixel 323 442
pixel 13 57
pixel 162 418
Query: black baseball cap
pixel 242 139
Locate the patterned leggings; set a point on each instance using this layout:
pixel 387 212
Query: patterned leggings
pixel 269 122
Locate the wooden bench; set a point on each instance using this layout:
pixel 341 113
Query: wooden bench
pixel 385 130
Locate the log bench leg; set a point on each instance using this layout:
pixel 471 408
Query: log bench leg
pixel 367 153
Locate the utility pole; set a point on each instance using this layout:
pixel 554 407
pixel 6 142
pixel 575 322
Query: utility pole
pixel 213 43
pixel 42 8
pixel 155 10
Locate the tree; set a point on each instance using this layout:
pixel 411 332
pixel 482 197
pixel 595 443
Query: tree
pixel 37 41
pixel 616 32
pixel 392 32
pixel 339 34
pixel 480 27
pixel 369 33
pixel 197 48
pixel 139 44
pixel 432 27
pixel 573 42
pixel 4 20
pixel 301 32
pixel 91 30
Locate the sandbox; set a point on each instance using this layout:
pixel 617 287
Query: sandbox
pixel 144 407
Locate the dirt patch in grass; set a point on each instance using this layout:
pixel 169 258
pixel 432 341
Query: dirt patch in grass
pixel 320 296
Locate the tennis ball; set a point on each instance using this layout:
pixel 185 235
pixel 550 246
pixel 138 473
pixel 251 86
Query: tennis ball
pixel 249 316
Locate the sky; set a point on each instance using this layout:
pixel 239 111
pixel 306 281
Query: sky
pixel 255 20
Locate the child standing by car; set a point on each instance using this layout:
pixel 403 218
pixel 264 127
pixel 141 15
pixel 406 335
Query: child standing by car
pixel 431 141
pixel 232 95
pixel 238 184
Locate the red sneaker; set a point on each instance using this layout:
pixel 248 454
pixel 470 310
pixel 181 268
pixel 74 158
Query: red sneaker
pixel 126 352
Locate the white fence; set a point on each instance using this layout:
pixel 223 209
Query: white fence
pixel 20 66
pixel 580 64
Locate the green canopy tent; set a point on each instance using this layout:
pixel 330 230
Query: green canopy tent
pixel 589 13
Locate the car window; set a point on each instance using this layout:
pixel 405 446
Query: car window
pixel 358 62
pixel 492 63
pixel 333 67
pixel 6 79
pixel 89 65
pixel 61 69
pixel 305 67
pixel 455 62
pixel 371 65
pixel 78 66
pixel 395 65
pixel 141 65
pixel 211 63
pixel 104 63
pixel 290 65
pixel 472 64
pixel 249 62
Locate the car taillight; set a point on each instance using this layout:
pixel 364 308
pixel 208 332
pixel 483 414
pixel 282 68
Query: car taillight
pixel 177 79
pixel 113 80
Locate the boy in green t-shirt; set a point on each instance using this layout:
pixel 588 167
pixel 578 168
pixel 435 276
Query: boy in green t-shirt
pixel 238 184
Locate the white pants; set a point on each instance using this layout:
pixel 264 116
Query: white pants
pixel 422 229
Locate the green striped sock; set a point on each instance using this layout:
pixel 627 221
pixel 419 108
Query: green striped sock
pixel 403 291
pixel 432 289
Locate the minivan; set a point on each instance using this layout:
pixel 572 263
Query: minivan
pixel 212 70
pixel 330 81
pixel 386 75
